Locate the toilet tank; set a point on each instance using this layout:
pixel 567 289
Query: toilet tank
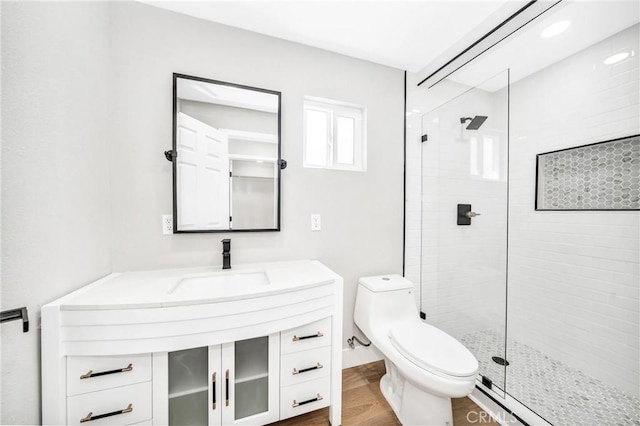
pixel 382 300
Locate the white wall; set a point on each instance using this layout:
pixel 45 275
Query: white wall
pixel 574 277
pixel 420 102
pixel 86 103
pixel 361 212
pixel 55 174
pixel 463 267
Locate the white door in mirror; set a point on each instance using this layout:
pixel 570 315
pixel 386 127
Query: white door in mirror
pixel 202 174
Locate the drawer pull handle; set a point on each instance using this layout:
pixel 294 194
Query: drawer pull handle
pixel 91 417
pixel 308 401
pixel 213 391
pixel 311 336
pixel 90 373
pixel 318 366
pixel 226 388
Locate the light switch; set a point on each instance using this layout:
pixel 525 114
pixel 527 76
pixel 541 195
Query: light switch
pixel 315 222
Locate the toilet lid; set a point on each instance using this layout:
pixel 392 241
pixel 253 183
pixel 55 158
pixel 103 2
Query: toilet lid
pixel 433 349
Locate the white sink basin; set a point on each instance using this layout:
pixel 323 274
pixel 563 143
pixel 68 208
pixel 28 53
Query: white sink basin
pixel 221 284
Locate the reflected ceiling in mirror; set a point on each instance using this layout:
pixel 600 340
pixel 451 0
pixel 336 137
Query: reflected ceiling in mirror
pixel 226 156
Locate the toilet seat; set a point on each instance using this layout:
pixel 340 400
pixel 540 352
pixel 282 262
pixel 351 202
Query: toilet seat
pixel 433 350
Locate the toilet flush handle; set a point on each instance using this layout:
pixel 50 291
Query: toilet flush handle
pixel 472 214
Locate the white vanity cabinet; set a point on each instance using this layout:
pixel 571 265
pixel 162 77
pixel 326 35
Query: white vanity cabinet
pixel 176 347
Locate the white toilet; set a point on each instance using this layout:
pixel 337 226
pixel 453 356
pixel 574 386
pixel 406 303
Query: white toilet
pixel 425 366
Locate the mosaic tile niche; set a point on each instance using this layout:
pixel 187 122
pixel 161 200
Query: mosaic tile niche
pixel 601 176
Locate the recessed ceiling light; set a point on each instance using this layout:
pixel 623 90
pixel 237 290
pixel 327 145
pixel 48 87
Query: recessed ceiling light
pixel 555 29
pixel 616 58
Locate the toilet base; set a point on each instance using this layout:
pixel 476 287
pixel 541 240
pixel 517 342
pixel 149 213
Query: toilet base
pixel 411 405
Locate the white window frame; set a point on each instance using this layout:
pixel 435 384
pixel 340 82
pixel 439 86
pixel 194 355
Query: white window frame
pixel 335 109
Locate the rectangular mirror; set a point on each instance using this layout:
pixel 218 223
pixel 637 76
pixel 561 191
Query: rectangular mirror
pixel 226 156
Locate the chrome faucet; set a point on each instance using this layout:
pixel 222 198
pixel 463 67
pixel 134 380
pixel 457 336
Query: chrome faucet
pixel 226 253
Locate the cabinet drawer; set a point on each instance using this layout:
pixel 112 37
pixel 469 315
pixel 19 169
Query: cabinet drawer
pixel 94 373
pixel 298 367
pixel 309 336
pixel 304 397
pixel 106 407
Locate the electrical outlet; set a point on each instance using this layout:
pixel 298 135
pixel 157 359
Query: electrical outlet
pixel 315 222
pixel 167 224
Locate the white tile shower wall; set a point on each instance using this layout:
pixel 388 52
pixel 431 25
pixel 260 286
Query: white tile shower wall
pixel 419 102
pixel 574 276
pixel 457 299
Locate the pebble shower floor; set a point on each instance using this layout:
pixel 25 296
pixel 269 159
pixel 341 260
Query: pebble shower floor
pixel 562 395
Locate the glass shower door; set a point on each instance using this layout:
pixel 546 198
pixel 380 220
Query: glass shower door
pixel 464 220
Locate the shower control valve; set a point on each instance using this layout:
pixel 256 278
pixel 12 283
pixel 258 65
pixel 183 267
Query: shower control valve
pixel 465 214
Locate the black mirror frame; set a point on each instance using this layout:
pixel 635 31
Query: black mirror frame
pixel 170 155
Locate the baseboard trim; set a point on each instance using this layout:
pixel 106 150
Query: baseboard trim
pixel 360 355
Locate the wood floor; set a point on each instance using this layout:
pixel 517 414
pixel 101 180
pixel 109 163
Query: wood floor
pixel 363 403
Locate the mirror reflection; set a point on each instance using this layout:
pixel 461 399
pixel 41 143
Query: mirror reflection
pixel 226 156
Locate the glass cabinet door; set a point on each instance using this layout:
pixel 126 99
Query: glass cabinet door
pixel 188 387
pixel 233 383
pixel 253 370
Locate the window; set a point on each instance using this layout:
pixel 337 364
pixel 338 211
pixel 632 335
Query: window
pixel 334 135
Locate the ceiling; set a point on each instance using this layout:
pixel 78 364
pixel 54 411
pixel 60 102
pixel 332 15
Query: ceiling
pixel 416 35
pixel 527 52
pixel 402 34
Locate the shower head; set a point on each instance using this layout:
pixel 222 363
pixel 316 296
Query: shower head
pixel 476 121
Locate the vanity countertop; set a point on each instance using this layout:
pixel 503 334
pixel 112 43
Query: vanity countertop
pixel 193 286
